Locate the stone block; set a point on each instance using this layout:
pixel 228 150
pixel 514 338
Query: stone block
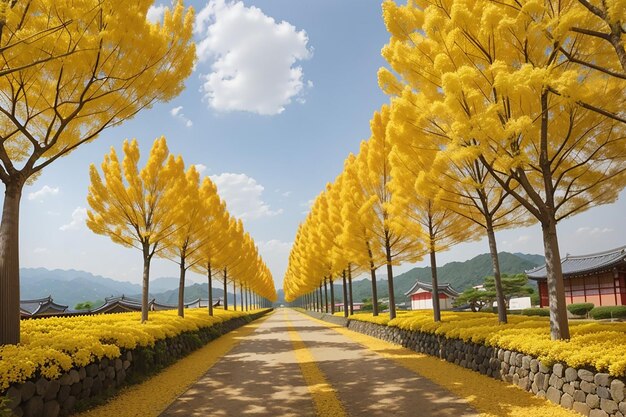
pixel 15 397
pixel 87 382
pixel 543 368
pixel 534 365
pixel 603 392
pixel 602 379
pixel 76 388
pixel 41 386
pixel 571 374
pixel 581 407
pixel 75 376
pixel 585 375
pixel 609 406
pixel 553 395
pixel 82 373
pixel 92 370
pixel 588 387
pixel 68 404
pixel 52 390
pixel 526 362
pixel 598 413
pixel 557 369
pixel 567 401
pixel 568 389
pixel 33 407
pixel 580 396
pixel 64 392
pixel 51 409
pixel 617 390
pixel 65 379
pixel 593 401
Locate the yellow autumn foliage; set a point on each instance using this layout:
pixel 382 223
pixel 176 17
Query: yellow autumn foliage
pixel 51 346
pixel 592 344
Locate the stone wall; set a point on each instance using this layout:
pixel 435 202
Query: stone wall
pixel 586 391
pixel 79 387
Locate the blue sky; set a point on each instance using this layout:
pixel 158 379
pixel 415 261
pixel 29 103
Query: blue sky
pixel 304 102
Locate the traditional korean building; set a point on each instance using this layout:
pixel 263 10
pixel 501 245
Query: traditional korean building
pixel 599 278
pixel 121 304
pixel 40 307
pixel 203 303
pixel 422 299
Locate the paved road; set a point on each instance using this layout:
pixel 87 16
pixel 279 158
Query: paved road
pixel 295 366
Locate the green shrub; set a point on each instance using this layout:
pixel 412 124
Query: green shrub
pixel 608 312
pixel 536 312
pixel 580 309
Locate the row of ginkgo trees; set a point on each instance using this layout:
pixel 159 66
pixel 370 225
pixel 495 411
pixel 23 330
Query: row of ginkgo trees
pixel 502 114
pixel 165 211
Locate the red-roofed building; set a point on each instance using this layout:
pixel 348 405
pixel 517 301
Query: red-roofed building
pixel 422 298
pixel 599 278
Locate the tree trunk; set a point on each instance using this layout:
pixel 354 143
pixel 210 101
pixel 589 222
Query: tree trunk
pixel 320 298
pixel 559 327
pixel 345 294
pixel 241 296
pixel 332 297
pixel 145 290
pixel 325 296
pixel 350 290
pixel 210 289
pixel 10 266
pixel 181 288
pixel 234 296
pixel 225 289
pixel 493 250
pixel 374 289
pixel 435 297
pixel 392 298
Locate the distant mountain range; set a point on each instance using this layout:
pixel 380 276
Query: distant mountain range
pixel 460 275
pixel 70 287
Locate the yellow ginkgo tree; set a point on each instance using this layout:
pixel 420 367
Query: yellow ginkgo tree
pixel 69 70
pixel 135 208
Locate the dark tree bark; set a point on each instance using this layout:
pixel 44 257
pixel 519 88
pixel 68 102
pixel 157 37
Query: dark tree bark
pixel 350 291
pixel 392 297
pixel 181 288
pixel 209 278
pixel 374 289
pixel 345 294
pixel 145 290
pixel 225 289
pixel 332 297
pixel 10 266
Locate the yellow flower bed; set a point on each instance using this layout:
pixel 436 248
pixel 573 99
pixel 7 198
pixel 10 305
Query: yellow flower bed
pixel 54 345
pixel 598 345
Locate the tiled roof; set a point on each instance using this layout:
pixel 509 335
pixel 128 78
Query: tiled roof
pixel 443 288
pixel 579 265
pixel 41 305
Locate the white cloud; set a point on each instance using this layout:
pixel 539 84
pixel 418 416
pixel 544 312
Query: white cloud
pixel 45 191
pixel 593 231
pixel 308 205
pixel 155 13
pixel 275 253
pixel 253 58
pixel 243 196
pixel 286 194
pixel 40 250
pixel 177 113
pixel 79 215
pixel 200 168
